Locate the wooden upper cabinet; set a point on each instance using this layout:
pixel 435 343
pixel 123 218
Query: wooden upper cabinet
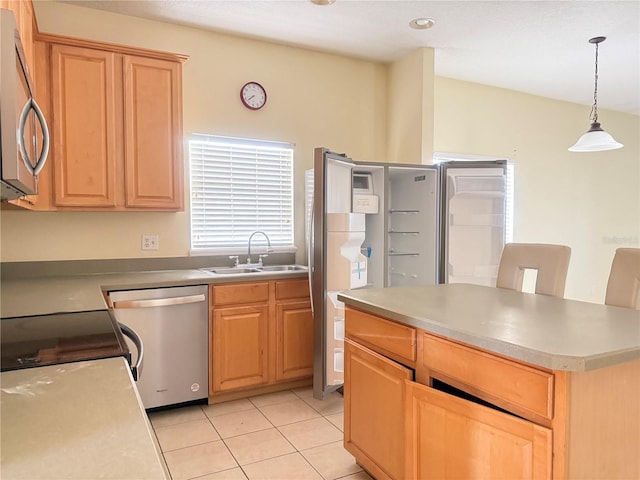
pixel 153 140
pixel 26 27
pixel 85 95
pixel 116 126
pixel 25 21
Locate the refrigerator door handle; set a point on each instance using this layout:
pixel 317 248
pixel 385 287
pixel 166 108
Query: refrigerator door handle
pixel 310 255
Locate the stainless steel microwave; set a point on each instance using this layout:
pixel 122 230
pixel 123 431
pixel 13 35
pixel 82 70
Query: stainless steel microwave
pixel 23 129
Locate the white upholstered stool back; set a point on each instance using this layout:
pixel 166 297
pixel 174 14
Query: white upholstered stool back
pixel 551 262
pixel 623 287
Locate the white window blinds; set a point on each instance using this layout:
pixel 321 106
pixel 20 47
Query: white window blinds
pixel 509 224
pixel 239 186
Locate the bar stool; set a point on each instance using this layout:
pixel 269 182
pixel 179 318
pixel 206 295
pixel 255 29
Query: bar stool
pixel 551 262
pixel 623 287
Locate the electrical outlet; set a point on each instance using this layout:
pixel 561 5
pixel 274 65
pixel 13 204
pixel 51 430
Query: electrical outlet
pixel 150 242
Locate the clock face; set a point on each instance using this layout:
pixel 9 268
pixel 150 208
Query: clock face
pixel 253 95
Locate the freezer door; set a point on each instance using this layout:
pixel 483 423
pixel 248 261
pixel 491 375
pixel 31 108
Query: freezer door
pixel 332 195
pixel 473 221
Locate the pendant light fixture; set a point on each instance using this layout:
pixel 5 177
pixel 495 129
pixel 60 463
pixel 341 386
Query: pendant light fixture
pixel 596 139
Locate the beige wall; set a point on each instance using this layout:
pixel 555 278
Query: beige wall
pixel 314 99
pixel 410 128
pixel 589 201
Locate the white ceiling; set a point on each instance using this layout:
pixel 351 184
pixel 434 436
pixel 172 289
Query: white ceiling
pixel 539 47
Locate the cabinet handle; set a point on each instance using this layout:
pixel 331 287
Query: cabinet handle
pixel 136 370
pixel 159 302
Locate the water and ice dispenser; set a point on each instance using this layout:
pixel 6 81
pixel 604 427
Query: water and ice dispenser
pixel 346 269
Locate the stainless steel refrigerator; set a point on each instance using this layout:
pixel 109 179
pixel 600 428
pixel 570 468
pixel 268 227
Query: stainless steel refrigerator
pixel 385 225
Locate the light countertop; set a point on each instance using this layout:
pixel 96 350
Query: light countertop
pixel 76 421
pixel 546 331
pixel 83 420
pixel 74 293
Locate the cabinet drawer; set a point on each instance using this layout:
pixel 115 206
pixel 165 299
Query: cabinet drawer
pixel 294 288
pixel 510 385
pixel 240 293
pixel 383 336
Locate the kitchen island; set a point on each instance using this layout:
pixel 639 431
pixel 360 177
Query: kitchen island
pixel 465 381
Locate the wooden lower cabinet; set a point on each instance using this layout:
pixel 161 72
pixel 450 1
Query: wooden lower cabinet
pixel 294 340
pixel 451 437
pixel 240 340
pixel 374 424
pixel 261 335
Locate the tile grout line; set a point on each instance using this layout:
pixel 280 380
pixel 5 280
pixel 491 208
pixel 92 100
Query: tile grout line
pixel 277 428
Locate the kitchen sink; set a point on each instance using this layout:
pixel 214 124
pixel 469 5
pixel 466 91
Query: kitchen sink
pixel 282 268
pixel 250 270
pixel 230 270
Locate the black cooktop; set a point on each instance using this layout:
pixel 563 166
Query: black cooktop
pixel 59 338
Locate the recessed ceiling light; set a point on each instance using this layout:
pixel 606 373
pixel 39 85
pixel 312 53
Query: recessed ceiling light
pixel 323 2
pixel 422 23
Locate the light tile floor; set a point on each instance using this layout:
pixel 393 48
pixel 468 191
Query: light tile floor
pixel 279 436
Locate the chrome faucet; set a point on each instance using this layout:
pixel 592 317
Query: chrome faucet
pixel 249 247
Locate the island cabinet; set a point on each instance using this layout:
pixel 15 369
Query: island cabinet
pixel 379 360
pixel 115 119
pixel 422 406
pixel 472 419
pixel 261 337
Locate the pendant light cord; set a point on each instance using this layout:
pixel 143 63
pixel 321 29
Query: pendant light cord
pixel 594 107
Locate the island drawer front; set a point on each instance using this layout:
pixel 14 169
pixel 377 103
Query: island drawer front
pixel 240 293
pixel 515 387
pixel 293 288
pixel 383 336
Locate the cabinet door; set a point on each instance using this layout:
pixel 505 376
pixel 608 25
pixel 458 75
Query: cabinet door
pixel 374 403
pixel 294 340
pixel 85 146
pixel 240 344
pixel 456 438
pixel 153 133
pixel 26 33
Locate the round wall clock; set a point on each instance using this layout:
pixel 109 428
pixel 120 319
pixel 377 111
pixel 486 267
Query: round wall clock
pixel 253 95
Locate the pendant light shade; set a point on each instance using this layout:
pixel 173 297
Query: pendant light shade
pixel 596 139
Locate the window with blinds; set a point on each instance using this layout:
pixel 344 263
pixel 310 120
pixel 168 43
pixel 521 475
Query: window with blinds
pixel 239 186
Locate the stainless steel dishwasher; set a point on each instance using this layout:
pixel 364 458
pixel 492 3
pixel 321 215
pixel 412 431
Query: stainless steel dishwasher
pixel 173 324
